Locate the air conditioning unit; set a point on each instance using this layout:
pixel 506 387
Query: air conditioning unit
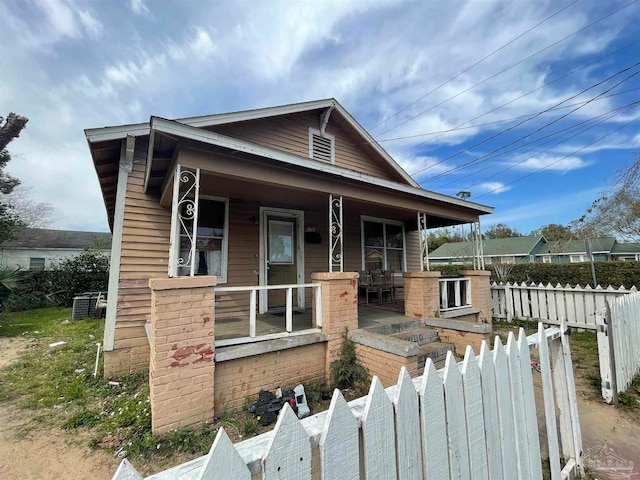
pixel 81 306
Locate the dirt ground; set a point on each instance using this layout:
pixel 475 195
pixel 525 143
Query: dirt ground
pixel 34 453
pixel 28 453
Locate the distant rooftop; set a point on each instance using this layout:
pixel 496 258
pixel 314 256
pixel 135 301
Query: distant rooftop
pixel 48 238
pixel 491 247
pixel 598 245
pixel 626 248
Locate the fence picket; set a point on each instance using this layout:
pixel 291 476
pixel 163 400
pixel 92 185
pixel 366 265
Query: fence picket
pixel 531 419
pixel 474 412
pixel 607 384
pixel 339 441
pixel 491 421
pixel 288 454
pixel 435 454
pixel 407 420
pixel 378 439
pixel 519 409
pixel 535 301
pixel 549 404
pixel 456 424
pixel 126 471
pixel 505 409
pixel 223 453
pixel 551 302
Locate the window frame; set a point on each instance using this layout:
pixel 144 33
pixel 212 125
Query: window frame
pixel 37 268
pixel 384 222
pixel 222 278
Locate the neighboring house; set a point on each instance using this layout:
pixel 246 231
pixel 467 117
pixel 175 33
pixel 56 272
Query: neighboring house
pixel 496 250
pixel 575 251
pixel 625 251
pixel 263 187
pixel 41 248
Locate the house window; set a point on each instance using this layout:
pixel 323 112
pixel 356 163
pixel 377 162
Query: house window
pixel 546 259
pixel 211 240
pixel 322 146
pixel 455 293
pixel 36 263
pixel 508 259
pixel 577 258
pixel 383 245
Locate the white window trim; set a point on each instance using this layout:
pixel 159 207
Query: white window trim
pixel 315 131
pixel 222 278
pixel 546 259
pixel 384 222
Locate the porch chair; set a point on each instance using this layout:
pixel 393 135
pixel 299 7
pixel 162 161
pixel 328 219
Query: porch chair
pixel 383 284
pixel 366 285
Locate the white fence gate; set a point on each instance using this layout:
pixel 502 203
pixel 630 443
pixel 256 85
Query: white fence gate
pixel 473 420
pixel 549 304
pixel 619 345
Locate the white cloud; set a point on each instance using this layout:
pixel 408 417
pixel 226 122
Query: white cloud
pixel 68 19
pixel 201 44
pixel 493 187
pixel 550 162
pixel 139 7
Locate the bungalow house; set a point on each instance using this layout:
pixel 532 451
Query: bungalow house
pixel 254 219
pixel 575 251
pixel 625 251
pixel 41 248
pixel 496 250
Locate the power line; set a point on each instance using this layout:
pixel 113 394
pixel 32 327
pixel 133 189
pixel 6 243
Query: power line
pixel 455 129
pixel 559 160
pixel 510 67
pixel 600 119
pixel 473 65
pixel 525 121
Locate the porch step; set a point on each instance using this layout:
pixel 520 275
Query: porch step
pixel 436 351
pixel 421 336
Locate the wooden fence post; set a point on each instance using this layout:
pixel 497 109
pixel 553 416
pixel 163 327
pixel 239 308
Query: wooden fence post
pixel 605 358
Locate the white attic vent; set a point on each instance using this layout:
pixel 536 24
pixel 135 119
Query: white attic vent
pixel 321 147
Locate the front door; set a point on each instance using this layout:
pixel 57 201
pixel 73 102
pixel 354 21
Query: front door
pixel 282 263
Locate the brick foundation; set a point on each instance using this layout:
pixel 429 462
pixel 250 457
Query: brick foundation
pixel 339 309
pixel 386 366
pixel 181 366
pixel 421 294
pixel 237 379
pixel 125 361
pixel 460 339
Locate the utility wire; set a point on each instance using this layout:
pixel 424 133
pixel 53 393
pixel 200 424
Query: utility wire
pixel 473 65
pixel 504 120
pixel 596 121
pixel 510 67
pixel 560 159
pixel 528 120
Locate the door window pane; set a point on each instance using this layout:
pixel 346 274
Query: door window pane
pixel 280 242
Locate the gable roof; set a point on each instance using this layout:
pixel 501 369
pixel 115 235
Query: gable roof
pixel 103 134
pixel 48 238
pixel 511 246
pixel 598 245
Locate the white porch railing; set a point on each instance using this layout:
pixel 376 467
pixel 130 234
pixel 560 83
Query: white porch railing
pixel 455 293
pixel 253 296
pixel 476 419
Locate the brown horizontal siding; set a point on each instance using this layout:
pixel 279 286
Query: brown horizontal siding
pixel 290 133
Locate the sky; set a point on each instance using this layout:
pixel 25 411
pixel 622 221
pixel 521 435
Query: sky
pixel 530 106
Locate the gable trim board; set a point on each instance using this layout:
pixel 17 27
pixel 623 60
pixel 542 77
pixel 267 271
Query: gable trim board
pixel 173 128
pixel 114 133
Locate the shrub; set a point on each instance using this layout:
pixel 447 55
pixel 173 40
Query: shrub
pixel 347 371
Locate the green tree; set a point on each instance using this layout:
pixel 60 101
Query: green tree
pixel 500 230
pixel 440 236
pixel 554 232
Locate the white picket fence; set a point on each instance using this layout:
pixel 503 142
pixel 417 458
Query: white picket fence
pixel 473 420
pixel 576 305
pixel 619 345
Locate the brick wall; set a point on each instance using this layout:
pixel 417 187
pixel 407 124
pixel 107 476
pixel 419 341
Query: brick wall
pixel 339 309
pixel 386 366
pixel 421 294
pixel 480 293
pixel 460 339
pixel 244 377
pixel 181 366
pixel 124 361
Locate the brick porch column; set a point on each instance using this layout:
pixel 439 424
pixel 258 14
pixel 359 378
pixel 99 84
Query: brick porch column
pixel 480 293
pixel 339 309
pixel 182 363
pixel 421 294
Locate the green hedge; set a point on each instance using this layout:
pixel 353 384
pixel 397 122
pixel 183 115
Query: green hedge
pixel 607 273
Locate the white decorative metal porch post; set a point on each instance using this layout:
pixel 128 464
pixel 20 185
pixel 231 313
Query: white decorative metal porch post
pixel 335 234
pixel 478 250
pixel 184 218
pixel 424 243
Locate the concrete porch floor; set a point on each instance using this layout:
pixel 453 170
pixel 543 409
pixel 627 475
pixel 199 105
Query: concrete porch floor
pixel 235 327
